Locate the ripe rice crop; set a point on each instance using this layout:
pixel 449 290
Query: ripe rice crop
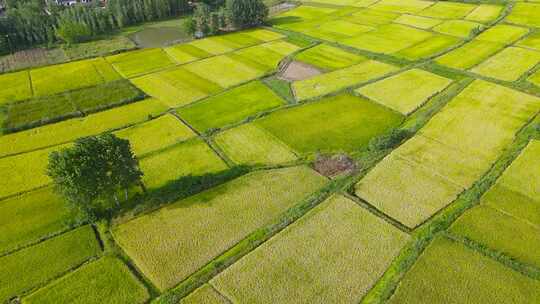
pixel 485 13
pixel 29 217
pixel 470 54
pixel 418 21
pixel 502 232
pixel 502 33
pixel 527 14
pixel 401 6
pixel 250 144
pixel 69 130
pixel 458 28
pixel 340 79
pixel 177 86
pixel 448 10
pixel 230 107
pixel 349 124
pixel 15 86
pixel 135 63
pixel 186 235
pixel 205 294
pixel 156 134
pixel 224 71
pixel 107 279
pixel 47 109
pixel 407 91
pixel 24 172
pixel 429 47
pixel 481 129
pixel 448 271
pixel 329 58
pixel 333 254
pixel 46 261
pixel 71 76
pixel 188 159
pixel 509 64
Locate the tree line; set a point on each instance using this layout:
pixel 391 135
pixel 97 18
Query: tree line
pixel 27 23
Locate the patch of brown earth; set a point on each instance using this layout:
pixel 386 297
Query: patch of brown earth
pixel 334 165
pixel 297 70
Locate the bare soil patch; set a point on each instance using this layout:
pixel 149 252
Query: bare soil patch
pixel 297 70
pixel 334 165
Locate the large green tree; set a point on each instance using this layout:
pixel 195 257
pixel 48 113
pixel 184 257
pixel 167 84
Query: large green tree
pixel 92 173
pixel 246 13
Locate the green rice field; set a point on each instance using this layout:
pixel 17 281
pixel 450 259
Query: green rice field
pixel 345 151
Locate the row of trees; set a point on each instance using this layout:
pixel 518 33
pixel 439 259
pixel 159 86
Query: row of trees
pixel 212 16
pixel 31 22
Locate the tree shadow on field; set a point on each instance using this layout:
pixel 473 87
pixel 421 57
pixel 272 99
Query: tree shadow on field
pixel 182 188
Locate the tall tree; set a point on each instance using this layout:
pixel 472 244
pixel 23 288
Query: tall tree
pixel 90 174
pixel 246 13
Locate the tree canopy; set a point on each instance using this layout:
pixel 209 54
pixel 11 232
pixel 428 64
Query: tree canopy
pixel 92 173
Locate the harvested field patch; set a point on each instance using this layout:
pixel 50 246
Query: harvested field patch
pixel 29 217
pixel 469 55
pixel 252 145
pixel 46 261
pixel 457 28
pixel 502 33
pixel 428 48
pixel 485 13
pixel 334 165
pixel 176 87
pixel 527 14
pixel 48 109
pixel 186 235
pixel 71 76
pixel 15 86
pixel 72 129
pixel 329 58
pixel 189 159
pixel 24 172
pixel 532 41
pixel 329 255
pixel 296 71
pixel 401 6
pixel 230 107
pixel 156 134
pixel 418 21
pixel 349 123
pixel 509 64
pixel 224 71
pixel 407 91
pixel 135 63
pixel 448 10
pixel 205 294
pixel 340 79
pixel 502 232
pixel 480 130
pixel 450 272
pixel 106 279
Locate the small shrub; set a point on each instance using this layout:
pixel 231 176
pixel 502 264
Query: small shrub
pixel 390 140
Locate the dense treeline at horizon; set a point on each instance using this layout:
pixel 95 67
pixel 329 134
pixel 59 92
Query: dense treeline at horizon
pixel 28 23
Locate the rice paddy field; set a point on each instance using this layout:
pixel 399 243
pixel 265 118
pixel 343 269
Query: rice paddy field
pixel 348 151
